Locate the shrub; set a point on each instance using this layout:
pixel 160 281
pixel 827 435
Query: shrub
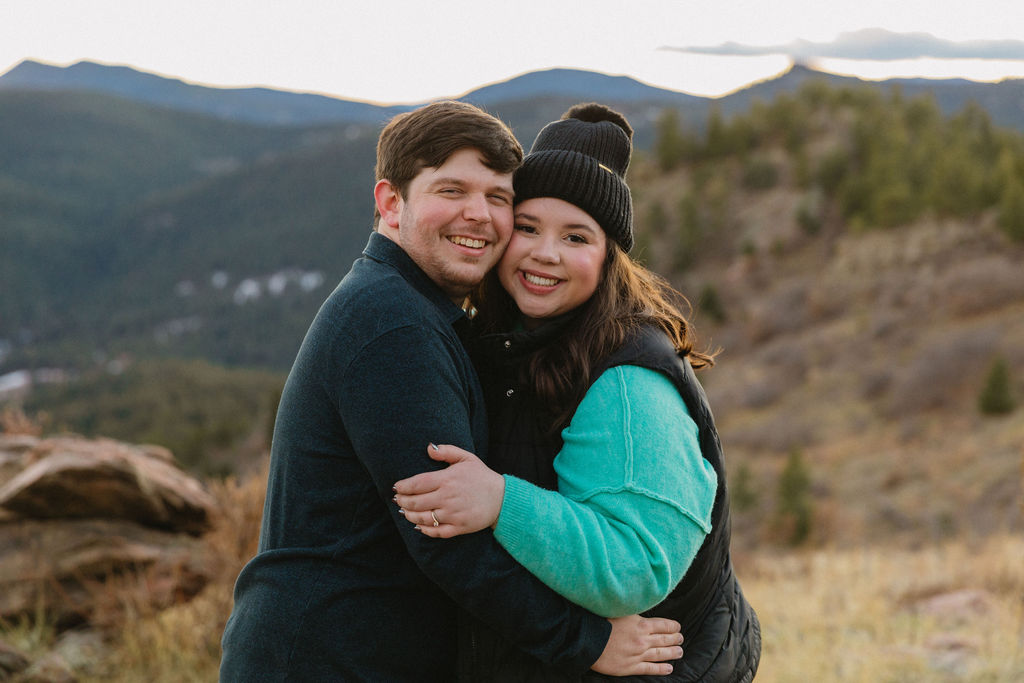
pixel 1011 210
pixel 742 492
pixel 670 146
pixel 689 233
pixel 809 213
pixel 794 508
pixel 996 396
pixel 710 304
pixel 760 174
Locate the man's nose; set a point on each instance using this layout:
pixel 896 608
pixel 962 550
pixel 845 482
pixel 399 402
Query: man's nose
pixel 477 209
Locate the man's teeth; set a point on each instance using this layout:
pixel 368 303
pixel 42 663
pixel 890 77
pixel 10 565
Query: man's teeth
pixel 468 242
pixel 542 281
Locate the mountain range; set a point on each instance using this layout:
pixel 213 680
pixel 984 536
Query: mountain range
pixel 143 213
pixel 1003 100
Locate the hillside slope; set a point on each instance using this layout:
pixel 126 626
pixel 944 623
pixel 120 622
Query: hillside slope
pixel 861 347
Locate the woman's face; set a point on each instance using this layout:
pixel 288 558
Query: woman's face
pixel 554 259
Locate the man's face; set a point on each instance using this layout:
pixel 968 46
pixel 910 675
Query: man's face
pixel 455 221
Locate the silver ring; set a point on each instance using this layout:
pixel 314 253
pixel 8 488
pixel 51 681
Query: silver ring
pixel 434 517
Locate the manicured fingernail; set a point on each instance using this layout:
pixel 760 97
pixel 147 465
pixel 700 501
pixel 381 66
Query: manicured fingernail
pixel 434 446
pixel 401 511
pixel 417 527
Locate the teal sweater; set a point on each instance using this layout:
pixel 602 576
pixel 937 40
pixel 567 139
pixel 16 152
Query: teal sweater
pixel 633 503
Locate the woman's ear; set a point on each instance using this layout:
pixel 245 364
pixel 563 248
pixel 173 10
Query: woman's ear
pixel 389 202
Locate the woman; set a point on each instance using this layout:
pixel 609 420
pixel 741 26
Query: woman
pixel 613 488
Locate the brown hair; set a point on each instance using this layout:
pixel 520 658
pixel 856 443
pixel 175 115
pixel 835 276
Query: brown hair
pixel 627 297
pixel 426 137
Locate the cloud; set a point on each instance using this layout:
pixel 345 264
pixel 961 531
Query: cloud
pixel 873 44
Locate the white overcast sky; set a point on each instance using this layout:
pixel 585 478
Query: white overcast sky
pixel 414 50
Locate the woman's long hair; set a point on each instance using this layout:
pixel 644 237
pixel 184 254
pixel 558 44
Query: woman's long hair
pixel 627 297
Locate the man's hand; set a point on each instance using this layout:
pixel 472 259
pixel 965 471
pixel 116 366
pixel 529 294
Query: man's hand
pixel 464 497
pixel 638 646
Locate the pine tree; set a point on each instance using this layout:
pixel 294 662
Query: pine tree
pixel 1011 209
pixel 742 494
pixel 794 509
pixel 996 397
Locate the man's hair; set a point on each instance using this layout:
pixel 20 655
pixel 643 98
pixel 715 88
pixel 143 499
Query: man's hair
pixel 627 297
pixel 426 137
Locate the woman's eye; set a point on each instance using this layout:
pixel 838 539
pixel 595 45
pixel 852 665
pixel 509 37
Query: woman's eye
pixel 578 239
pixel 525 228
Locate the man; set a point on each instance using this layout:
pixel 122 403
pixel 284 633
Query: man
pixel 343 588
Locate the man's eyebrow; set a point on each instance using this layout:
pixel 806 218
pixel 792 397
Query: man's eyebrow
pixel 448 181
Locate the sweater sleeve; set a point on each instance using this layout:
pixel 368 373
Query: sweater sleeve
pixel 633 504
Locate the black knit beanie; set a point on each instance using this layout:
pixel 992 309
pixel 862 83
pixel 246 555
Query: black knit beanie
pixel 582 159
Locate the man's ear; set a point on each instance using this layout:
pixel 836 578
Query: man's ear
pixel 389 202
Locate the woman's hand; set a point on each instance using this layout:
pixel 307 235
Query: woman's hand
pixel 464 497
pixel 638 646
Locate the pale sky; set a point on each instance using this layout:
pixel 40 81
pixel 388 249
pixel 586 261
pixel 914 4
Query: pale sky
pixel 410 51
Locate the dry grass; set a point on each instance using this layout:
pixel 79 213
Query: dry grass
pixel 14 420
pixel 182 644
pixel 950 612
pixel 827 615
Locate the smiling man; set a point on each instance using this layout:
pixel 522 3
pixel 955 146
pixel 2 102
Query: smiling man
pixel 342 587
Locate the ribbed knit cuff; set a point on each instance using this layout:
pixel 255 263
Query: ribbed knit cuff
pixel 516 512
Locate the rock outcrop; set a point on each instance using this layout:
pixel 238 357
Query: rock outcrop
pixel 82 522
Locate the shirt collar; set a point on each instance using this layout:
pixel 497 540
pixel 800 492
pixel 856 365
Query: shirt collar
pixel 380 248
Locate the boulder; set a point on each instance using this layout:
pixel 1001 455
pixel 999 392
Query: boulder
pixel 90 526
pixel 73 478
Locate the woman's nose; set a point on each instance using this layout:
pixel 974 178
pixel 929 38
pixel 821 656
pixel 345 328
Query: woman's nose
pixel 545 250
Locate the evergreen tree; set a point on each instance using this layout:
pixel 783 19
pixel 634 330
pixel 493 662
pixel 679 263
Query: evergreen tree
pixel 997 396
pixel 1011 210
pixel 794 509
pixel 742 492
pixel 669 145
pixel 710 304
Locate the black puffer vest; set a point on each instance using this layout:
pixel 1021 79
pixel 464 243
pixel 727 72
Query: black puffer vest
pixel 721 631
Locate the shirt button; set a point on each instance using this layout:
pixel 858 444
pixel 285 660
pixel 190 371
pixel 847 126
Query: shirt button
pixel 510 392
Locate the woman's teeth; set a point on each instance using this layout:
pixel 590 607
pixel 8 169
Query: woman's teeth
pixel 541 281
